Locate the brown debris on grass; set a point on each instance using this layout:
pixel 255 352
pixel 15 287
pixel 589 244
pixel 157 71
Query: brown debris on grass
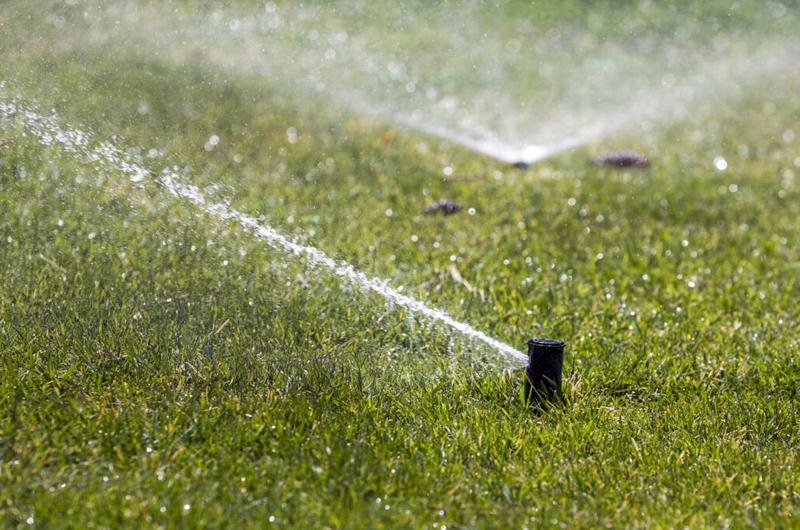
pixel 626 158
pixel 446 206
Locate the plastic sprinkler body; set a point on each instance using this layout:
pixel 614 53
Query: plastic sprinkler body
pixel 543 375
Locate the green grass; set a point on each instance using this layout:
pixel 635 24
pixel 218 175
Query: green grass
pixel 161 367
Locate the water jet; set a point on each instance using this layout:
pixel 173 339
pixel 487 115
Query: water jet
pixel 107 155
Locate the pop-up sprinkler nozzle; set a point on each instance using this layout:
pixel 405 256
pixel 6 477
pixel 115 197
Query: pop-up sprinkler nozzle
pixel 543 375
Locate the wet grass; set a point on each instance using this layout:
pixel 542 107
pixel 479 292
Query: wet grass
pixel 164 368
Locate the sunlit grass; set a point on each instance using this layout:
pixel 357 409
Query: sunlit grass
pixel 163 367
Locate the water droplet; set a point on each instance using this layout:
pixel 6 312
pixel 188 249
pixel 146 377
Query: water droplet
pixel 720 163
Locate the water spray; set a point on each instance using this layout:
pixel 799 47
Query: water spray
pixel 109 156
pixel 467 82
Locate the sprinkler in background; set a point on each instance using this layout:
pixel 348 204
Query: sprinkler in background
pixel 543 375
pixel 533 153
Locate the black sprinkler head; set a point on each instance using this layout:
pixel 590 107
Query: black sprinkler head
pixel 543 375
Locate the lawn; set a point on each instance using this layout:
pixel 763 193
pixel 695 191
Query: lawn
pixel 164 365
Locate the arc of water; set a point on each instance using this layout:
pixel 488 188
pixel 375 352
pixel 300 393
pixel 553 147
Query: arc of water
pixel 110 157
